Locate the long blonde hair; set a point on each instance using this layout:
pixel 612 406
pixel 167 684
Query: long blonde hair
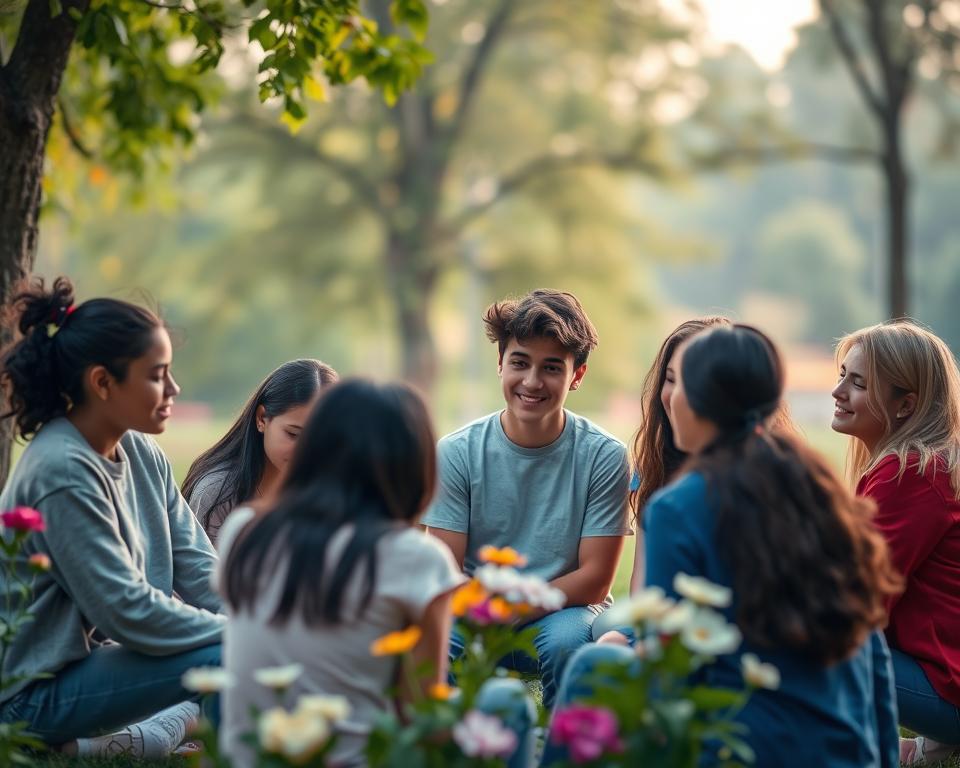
pixel 903 355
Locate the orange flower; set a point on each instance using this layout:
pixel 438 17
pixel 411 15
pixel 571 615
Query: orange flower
pixel 441 691
pixel 500 610
pixel 396 643
pixel 39 562
pixel 505 556
pixel 469 595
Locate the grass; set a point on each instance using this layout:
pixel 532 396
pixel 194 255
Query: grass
pixel 184 441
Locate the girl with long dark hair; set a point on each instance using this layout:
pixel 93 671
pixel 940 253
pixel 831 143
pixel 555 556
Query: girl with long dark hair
pixel 88 383
pixel 898 398
pixel 758 512
pixel 654 455
pixel 336 561
pixel 249 460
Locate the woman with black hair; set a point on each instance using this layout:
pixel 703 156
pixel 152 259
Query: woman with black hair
pixel 763 515
pixel 88 383
pixel 336 562
pixel 248 462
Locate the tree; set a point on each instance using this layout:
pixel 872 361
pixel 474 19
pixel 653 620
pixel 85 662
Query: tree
pixel 885 46
pixel 882 43
pixel 435 173
pixel 147 97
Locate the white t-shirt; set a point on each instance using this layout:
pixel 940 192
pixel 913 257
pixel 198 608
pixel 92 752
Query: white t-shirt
pixel 413 569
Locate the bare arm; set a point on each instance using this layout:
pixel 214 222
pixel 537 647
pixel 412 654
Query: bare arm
pixel 637 576
pixel 432 648
pixel 591 581
pixel 456 542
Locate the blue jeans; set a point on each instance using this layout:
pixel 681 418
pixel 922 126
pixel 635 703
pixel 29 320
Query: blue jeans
pixel 509 700
pixel 921 708
pixel 561 633
pixel 109 689
pixel 582 667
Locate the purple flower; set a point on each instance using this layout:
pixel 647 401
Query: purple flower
pixel 482 735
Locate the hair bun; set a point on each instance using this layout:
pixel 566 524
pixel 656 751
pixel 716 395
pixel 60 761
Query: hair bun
pixel 39 307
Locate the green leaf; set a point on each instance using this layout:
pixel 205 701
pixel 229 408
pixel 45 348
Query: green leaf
pixel 413 14
pixel 56 8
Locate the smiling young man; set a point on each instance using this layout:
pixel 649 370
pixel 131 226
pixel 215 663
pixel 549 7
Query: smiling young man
pixel 537 477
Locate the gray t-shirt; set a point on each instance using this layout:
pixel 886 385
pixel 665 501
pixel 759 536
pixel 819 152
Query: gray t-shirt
pixel 412 570
pixel 121 540
pixel 204 502
pixel 540 501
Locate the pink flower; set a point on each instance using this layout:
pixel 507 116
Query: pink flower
pixel 588 732
pixel 23 519
pixel 39 562
pixel 490 611
pixel 485 736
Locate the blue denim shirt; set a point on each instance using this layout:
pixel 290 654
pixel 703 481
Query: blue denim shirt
pixel 842 716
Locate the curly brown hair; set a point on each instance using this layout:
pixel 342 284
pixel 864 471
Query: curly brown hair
pixel 542 313
pixel 810 571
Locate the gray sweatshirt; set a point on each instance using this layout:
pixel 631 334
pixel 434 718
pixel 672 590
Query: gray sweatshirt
pixel 121 540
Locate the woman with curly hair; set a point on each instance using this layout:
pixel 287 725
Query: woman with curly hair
pixel 127 606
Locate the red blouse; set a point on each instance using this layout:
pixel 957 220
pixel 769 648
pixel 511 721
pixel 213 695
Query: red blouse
pixel 920 517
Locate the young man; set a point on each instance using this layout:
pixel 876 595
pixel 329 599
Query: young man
pixel 538 478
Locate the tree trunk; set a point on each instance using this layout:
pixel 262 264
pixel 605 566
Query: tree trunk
pixel 28 94
pixel 411 287
pixel 898 222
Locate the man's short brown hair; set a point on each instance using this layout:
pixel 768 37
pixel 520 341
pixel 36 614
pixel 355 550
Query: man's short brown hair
pixel 542 314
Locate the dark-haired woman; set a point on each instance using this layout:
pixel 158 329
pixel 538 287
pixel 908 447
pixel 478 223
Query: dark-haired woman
pixel 762 514
pixel 248 462
pixel 88 383
pixel 336 562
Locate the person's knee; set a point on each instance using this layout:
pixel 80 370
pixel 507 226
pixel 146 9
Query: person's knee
pixel 558 641
pixel 589 658
pixel 508 698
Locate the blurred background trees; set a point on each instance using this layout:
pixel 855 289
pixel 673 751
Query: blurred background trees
pixel 614 149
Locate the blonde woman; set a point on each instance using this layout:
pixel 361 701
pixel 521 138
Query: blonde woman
pixel 898 397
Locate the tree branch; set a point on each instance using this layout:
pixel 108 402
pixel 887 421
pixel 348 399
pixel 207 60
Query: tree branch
pixel 894 77
pixel 787 153
pixel 473 74
pixel 70 130
pixel 362 187
pixel 545 165
pixel 849 54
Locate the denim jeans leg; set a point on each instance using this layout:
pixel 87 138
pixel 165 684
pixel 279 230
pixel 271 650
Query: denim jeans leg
pixel 561 634
pixel 921 708
pixel 582 665
pixel 509 699
pixel 109 689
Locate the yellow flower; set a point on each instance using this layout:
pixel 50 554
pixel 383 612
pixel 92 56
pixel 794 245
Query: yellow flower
pixel 507 556
pixel 441 691
pixel 469 595
pixel 396 642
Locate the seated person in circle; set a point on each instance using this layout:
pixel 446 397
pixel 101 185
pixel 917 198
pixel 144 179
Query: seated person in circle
pixel 537 477
pixel 334 562
pixel 89 383
pixel 757 511
pixel 248 462
pixel 898 398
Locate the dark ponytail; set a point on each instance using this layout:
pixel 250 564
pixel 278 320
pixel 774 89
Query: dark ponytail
pixel 809 570
pixel 43 370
